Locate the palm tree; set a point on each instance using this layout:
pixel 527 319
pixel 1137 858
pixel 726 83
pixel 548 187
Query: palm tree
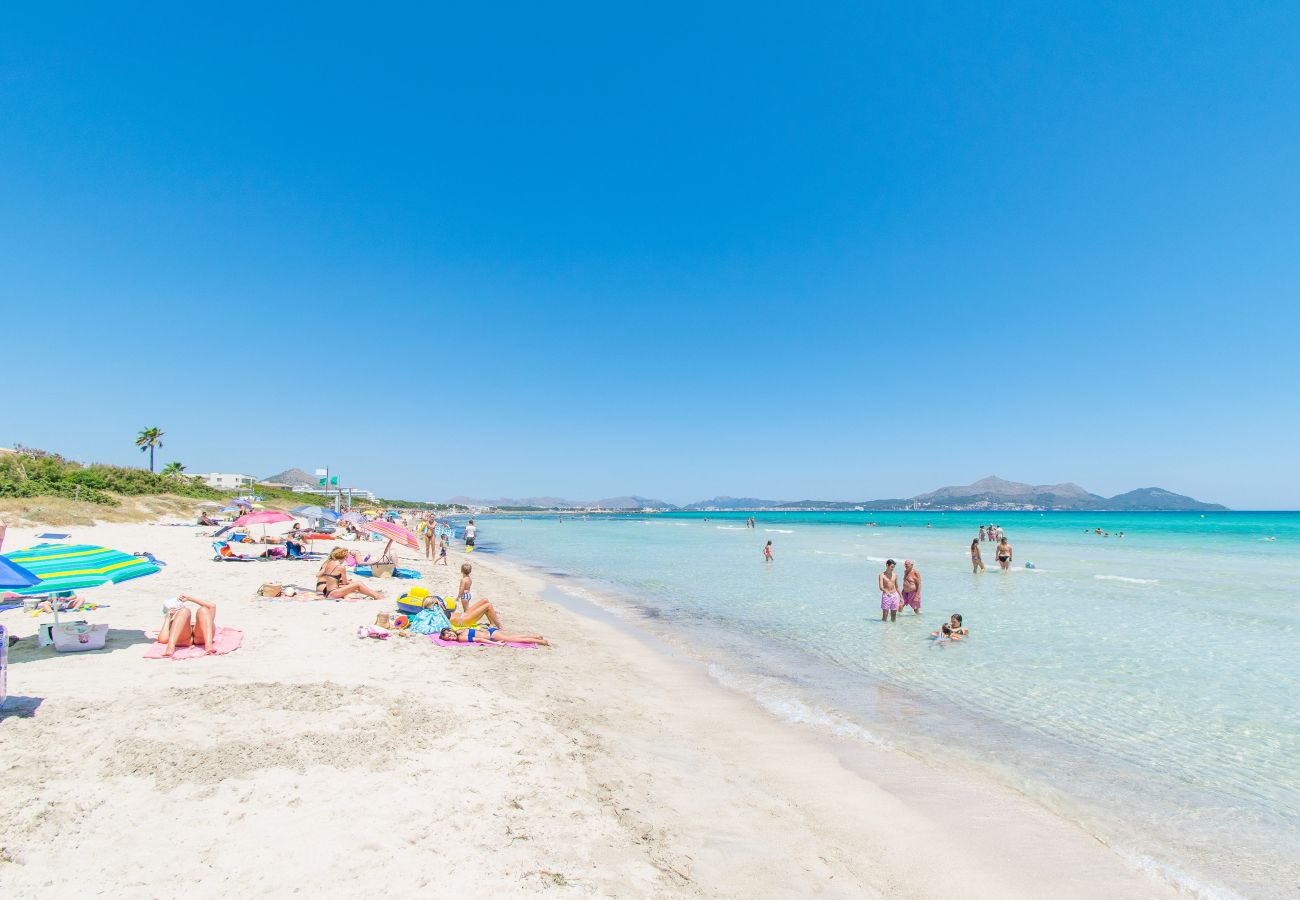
pixel 148 439
pixel 173 470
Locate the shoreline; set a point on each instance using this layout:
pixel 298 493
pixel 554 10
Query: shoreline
pixel 602 765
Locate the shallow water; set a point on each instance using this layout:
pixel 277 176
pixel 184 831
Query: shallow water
pixel 1144 686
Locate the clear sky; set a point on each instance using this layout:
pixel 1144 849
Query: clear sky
pixel 835 250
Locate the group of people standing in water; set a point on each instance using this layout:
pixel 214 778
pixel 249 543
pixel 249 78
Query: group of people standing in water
pixel 1004 551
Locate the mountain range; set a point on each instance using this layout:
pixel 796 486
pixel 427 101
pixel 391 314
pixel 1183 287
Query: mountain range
pixel 988 493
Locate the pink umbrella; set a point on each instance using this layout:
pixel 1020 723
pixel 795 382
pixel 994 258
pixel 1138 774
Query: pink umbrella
pixel 393 533
pixel 264 517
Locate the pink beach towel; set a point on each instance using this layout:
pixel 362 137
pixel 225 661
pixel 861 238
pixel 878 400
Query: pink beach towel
pixel 441 643
pixel 228 639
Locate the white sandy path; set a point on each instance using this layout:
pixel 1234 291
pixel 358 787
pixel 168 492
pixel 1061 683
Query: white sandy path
pixel 311 761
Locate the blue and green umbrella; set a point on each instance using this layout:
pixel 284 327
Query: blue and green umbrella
pixel 67 567
pixel 13 575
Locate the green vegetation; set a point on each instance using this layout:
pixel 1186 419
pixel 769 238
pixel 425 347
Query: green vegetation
pixel 148 439
pixel 36 473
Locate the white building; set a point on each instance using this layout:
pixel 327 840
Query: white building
pixel 228 481
pixel 331 492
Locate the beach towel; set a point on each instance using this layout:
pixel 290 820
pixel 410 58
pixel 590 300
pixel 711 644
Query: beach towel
pixel 441 643
pixel 228 639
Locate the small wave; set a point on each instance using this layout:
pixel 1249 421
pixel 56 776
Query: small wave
pixel 780 530
pixel 879 558
pixel 776 699
pixel 1126 579
pixel 1185 883
pixel 729 527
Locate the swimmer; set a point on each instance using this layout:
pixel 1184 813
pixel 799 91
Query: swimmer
pixel 944 635
pixel 911 587
pixel 767 552
pixel 955 621
pixel 1004 554
pixel 890 601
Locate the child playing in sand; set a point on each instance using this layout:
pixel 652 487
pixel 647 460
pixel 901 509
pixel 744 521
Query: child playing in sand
pixel 767 552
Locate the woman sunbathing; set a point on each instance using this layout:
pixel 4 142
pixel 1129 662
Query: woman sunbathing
pixel 179 631
pixel 332 580
pixel 490 636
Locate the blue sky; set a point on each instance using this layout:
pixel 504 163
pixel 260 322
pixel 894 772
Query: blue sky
pixel 840 250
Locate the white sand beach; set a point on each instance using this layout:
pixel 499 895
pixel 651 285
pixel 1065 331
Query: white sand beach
pixel 313 762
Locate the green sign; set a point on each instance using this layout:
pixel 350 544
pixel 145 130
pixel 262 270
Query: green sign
pixel 334 481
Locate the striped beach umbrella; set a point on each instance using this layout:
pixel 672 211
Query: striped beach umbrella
pixel 67 567
pixel 13 575
pixel 394 533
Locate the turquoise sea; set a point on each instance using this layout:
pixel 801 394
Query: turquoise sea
pixel 1147 687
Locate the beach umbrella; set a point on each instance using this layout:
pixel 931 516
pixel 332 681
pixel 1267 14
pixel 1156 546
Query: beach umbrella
pixel 13 575
pixel 263 517
pixel 67 567
pixel 318 513
pixel 393 533
pixel 354 517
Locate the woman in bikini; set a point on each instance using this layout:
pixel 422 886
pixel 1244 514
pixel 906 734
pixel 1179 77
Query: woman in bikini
pixel 490 636
pixel 178 630
pixel 467 611
pixel 332 580
pixel 976 561
pixel 1004 554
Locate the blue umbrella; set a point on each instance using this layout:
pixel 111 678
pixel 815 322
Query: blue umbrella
pixel 319 513
pixel 13 575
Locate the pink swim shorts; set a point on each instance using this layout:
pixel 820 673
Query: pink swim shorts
pixel 912 599
pixel 891 602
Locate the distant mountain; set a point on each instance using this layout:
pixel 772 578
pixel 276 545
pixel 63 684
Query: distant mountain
pixel 293 477
pixel 1154 498
pixel 987 493
pixel 732 503
pixel 996 493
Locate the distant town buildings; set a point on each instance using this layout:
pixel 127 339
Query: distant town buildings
pixel 228 481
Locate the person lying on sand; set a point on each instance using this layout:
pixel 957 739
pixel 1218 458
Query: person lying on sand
pixel 332 580
pixel 492 636
pixel 179 631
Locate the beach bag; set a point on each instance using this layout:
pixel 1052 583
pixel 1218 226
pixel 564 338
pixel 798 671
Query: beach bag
pixel 73 637
pixel 429 621
pixel 382 570
pixel 395 621
pixel 271 589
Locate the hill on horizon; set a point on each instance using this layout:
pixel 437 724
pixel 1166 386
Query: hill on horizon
pixel 991 492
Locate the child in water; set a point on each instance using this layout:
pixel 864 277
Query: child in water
pixel 945 635
pixel 767 552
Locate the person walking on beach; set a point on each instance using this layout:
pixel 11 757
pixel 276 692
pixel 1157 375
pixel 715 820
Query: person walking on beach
pixel 890 602
pixel 1004 554
pixel 470 532
pixel 767 552
pixel 976 561
pixel 442 551
pixel 911 587
pixel 430 538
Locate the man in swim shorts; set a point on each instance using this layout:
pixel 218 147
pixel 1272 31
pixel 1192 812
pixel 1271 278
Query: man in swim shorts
pixel 470 532
pixel 911 587
pixel 890 602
